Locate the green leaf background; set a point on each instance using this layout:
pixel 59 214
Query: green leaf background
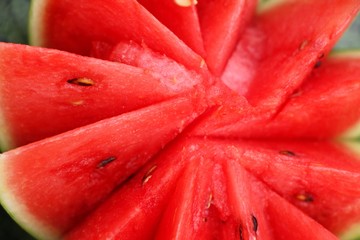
pixel 13 28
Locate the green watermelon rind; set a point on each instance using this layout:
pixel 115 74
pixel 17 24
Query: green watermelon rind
pixel 267 5
pixel 5 139
pixel 35 24
pixel 20 213
pixel 353 233
pixel 353 132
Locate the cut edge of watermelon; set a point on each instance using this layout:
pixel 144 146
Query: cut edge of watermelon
pixel 353 132
pixel 353 147
pixel 352 233
pixel 5 140
pixel 266 5
pixel 19 212
pixel 35 26
pixel 346 53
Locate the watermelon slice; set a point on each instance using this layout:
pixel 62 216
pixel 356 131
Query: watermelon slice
pixel 62 94
pixel 93 166
pixel 222 130
pixel 180 17
pixel 126 18
pixel 312 111
pixel 142 200
pixel 301 171
pixel 282 63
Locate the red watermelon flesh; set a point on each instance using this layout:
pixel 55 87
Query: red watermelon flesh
pixel 273 217
pixel 182 19
pixel 305 173
pixel 95 162
pixel 312 112
pixel 222 22
pixel 110 21
pixel 186 214
pixel 249 219
pixel 62 94
pixel 284 58
pixel 287 215
pixel 142 201
pixel 217 186
pixel 142 56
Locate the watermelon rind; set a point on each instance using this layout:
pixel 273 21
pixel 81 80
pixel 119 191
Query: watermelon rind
pixel 352 234
pixel 266 5
pixel 20 213
pixel 5 139
pixel 353 132
pixel 35 24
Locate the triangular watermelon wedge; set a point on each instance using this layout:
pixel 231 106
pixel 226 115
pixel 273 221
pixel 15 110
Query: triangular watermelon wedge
pixel 60 94
pixel 65 25
pixel 309 175
pixel 135 210
pixel 272 217
pixel 89 161
pixel 181 17
pixel 248 218
pixel 187 214
pixel 280 59
pixel 282 215
pixel 312 111
pixel 222 23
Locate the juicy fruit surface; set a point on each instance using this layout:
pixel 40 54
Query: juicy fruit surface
pixel 220 128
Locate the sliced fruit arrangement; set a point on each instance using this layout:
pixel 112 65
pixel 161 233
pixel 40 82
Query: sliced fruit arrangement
pixel 182 119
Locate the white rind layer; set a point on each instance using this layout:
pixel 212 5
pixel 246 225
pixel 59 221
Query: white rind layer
pixel 352 133
pixel 36 23
pixel 267 5
pixel 19 211
pixel 5 140
pixel 352 234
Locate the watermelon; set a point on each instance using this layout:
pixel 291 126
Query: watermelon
pixel 59 97
pixel 182 119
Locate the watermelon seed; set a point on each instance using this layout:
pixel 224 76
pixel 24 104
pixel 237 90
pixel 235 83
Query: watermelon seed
pixel 185 3
pixel 148 175
pixel 255 223
pixel 318 64
pixel 85 82
pixel 77 103
pixel 296 93
pixel 305 197
pixel 202 63
pixel 105 162
pixel 209 201
pixel 241 232
pixel 303 45
pixel 287 153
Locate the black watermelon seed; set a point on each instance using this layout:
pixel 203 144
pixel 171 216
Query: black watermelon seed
pixel 105 162
pixel 255 223
pixel 287 153
pixel 241 232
